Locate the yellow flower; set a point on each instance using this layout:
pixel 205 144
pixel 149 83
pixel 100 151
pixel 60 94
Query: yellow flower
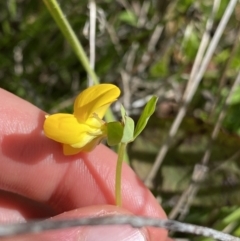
pixel 84 129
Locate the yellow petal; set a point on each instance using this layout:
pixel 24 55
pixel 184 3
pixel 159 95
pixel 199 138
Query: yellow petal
pixel 69 150
pixel 65 128
pixel 95 99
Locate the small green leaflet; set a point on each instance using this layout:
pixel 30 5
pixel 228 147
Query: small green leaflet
pixel 128 130
pixel 124 132
pixel 114 133
pixel 128 126
pixel 147 112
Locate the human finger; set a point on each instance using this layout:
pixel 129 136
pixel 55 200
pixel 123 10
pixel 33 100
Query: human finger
pixel 34 167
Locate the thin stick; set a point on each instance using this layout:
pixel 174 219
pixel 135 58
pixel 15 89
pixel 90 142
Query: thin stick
pixel 113 36
pixel 150 48
pixel 126 90
pixel 142 17
pixel 223 78
pixel 203 45
pixel 192 89
pixel 8 230
pixel 198 174
pixel 92 36
pixel 71 37
pixel 192 189
pixel 220 119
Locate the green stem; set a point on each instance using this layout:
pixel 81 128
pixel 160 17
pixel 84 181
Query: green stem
pixel 121 151
pixel 69 34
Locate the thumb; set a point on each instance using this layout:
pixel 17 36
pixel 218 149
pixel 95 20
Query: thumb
pixel 95 233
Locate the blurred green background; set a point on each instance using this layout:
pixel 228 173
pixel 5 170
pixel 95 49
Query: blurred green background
pixel 144 47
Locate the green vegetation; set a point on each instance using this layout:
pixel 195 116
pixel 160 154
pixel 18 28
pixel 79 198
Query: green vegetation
pixel 146 48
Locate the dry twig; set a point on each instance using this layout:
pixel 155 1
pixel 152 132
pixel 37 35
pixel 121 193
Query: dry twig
pixel 192 89
pixel 8 230
pixel 192 189
pixel 92 36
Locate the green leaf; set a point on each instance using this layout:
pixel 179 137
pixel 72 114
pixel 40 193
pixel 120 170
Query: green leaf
pixel 147 112
pixel 191 45
pixel 222 56
pixel 160 68
pixel 128 126
pixel 128 17
pixel 128 130
pixel 114 133
pixel 235 98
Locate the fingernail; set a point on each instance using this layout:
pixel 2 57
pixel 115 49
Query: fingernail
pixel 110 233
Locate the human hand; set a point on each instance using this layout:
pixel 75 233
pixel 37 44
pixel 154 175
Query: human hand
pixel 38 181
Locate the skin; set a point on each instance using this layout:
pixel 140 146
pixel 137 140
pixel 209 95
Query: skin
pixel 38 181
